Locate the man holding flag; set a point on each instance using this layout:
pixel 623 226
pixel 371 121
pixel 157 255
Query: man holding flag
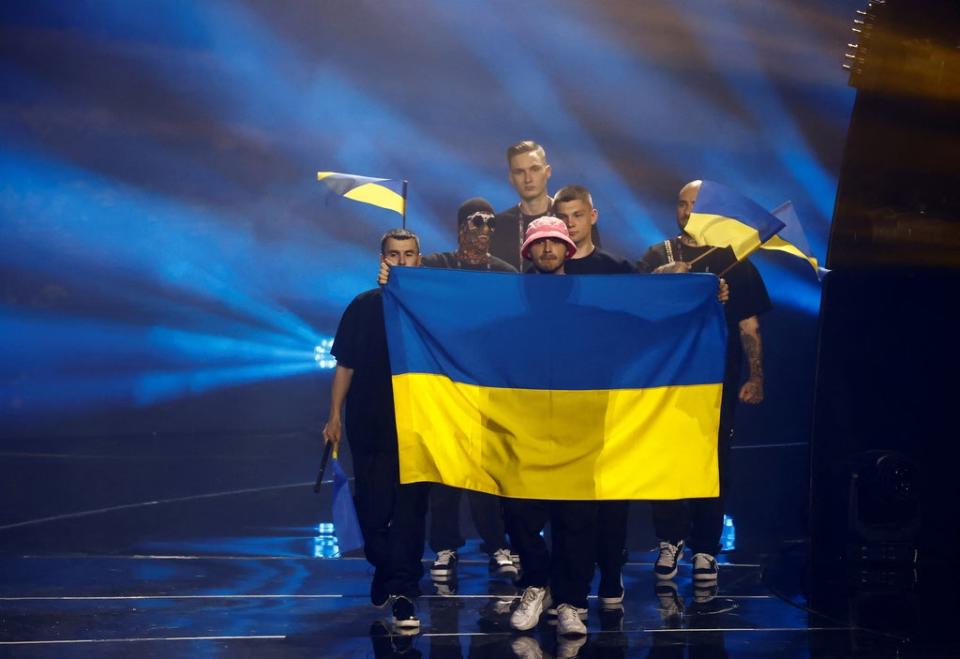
pixel 391 515
pixel 736 227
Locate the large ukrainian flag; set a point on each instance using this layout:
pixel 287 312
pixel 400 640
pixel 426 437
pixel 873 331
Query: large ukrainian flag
pixel 557 387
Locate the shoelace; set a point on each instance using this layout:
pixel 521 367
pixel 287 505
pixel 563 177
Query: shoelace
pixel 666 552
pixel 529 597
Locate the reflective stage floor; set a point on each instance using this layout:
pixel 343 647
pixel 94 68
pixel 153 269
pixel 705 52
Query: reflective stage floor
pixel 228 563
pixel 287 607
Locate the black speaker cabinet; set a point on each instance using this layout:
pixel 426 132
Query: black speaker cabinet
pixel 885 464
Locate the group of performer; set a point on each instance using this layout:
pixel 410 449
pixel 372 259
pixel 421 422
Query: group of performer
pixel 542 234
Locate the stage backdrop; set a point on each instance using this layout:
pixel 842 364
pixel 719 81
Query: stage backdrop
pixel 170 264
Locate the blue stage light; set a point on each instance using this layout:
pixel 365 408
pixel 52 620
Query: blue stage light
pixel 322 356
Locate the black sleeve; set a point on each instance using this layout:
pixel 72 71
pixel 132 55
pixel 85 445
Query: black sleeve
pixel 748 294
pixel 434 260
pixel 348 342
pixel 652 260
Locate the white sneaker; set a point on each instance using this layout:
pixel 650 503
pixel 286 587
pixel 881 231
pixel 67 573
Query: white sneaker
pixel 532 601
pixel 501 563
pixel 569 622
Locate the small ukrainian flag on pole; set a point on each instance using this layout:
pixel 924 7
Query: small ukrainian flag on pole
pixel 383 192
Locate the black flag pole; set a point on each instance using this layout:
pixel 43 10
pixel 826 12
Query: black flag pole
pixel 323 466
pixel 404 215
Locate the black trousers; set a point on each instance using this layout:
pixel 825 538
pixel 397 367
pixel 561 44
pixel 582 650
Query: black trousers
pixel 392 520
pixel 700 521
pixel 445 519
pixel 568 568
pixel 611 540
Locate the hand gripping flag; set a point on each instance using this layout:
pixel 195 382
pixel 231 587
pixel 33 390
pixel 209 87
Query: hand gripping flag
pixel 383 192
pixel 557 387
pixel 724 218
pixel 792 239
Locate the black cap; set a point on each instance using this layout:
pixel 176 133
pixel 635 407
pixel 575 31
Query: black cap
pixel 471 206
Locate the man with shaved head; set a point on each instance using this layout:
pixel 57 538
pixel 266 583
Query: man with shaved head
pixel 700 521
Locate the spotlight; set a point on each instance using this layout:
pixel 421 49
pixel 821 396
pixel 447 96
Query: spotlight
pixel 321 354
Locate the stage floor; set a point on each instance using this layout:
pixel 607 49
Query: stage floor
pixel 175 547
pixel 284 607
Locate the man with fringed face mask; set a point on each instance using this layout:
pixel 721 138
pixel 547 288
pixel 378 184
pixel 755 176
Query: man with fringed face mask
pixel 475 229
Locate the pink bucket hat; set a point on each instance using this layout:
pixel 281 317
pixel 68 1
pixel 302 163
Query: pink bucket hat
pixel 547 227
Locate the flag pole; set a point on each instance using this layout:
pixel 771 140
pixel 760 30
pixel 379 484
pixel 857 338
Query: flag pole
pixel 404 216
pixel 709 251
pixel 323 467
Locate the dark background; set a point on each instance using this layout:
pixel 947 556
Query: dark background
pixel 169 263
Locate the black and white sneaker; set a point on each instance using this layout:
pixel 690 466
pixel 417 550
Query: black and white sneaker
pixel 444 565
pixel 705 569
pixel 666 565
pixel 405 613
pixel 610 593
pixel 501 563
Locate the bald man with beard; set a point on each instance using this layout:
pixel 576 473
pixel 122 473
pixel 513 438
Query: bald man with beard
pixel 699 522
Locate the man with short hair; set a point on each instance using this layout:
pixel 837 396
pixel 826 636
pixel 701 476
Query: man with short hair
pixel 563 577
pixel 702 519
pixel 391 515
pixel 475 227
pixel 574 205
pixel 528 172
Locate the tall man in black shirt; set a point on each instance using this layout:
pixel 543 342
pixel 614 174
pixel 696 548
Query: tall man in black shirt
pixel 701 520
pixel 528 172
pixel 391 515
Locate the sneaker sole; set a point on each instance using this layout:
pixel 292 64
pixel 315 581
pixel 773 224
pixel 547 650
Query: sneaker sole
pixel 521 628
pixel 705 578
pixel 406 624
pixel 665 577
pixel 610 601
pixel 441 574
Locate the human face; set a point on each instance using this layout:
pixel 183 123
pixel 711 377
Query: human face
pixel 476 231
pixel 401 252
pixel 685 201
pixel 529 174
pixel 548 255
pixel 580 218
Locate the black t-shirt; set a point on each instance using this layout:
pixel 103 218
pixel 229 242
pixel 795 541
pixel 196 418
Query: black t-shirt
pixel 450 261
pixel 598 262
pixel 748 295
pixel 508 236
pixel 361 344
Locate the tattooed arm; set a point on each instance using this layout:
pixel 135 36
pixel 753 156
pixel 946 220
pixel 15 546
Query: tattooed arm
pixel 752 390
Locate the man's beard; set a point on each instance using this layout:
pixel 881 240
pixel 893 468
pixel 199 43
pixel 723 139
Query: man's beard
pixel 549 267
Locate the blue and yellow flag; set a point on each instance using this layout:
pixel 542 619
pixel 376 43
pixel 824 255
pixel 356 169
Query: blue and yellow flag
pixel 724 218
pixel 383 192
pixel 792 239
pixel 557 387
